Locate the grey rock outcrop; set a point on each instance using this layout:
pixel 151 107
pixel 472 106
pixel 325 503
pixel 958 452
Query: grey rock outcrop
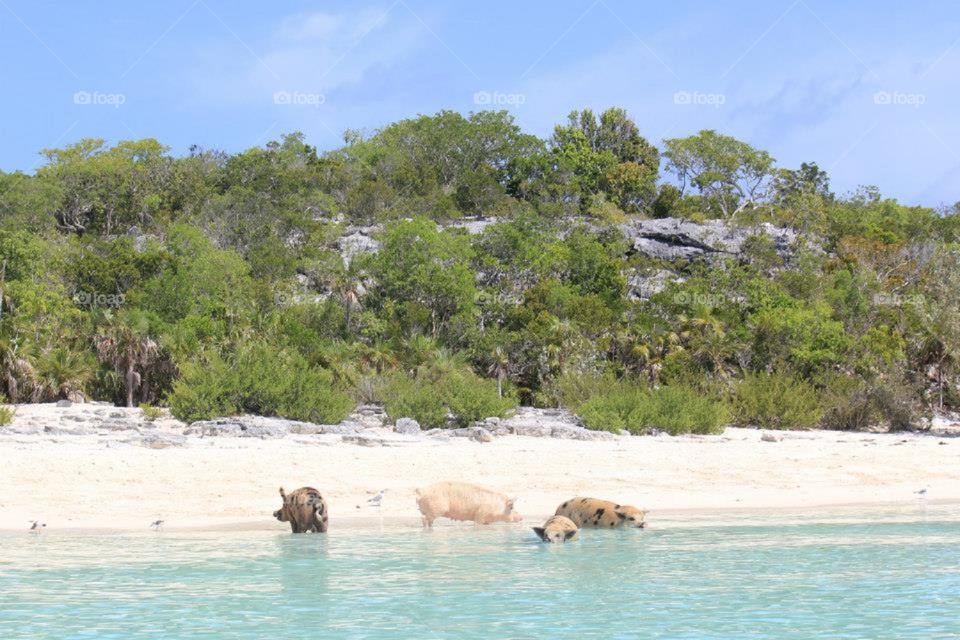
pixel 364 427
pixel 675 239
pixel 407 426
pixel 159 440
pixel 477 434
pixel 265 427
pixel 533 422
pixel 356 241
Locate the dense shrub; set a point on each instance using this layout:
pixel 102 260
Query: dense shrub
pixel 6 416
pixel 777 401
pixel 404 397
pixel 852 404
pixel 672 409
pixel 460 395
pixel 262 380
pixel 573 389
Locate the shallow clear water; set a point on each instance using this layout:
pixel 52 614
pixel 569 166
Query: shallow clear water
pixel 830 580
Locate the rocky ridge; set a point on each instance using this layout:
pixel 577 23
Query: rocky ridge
pixel 368 425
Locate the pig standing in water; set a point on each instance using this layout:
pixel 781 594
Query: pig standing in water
pixel 304 509
pixel 557 529
pixel 462 501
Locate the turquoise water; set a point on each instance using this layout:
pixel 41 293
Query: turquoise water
pixel 830 580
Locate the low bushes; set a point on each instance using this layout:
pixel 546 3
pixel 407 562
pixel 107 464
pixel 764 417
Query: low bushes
pixel 777 401
pixel 461 395
pixel 673 409
pixel 259 379
pixel 852 405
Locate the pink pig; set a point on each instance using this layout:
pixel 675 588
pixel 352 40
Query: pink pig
pixel 463 501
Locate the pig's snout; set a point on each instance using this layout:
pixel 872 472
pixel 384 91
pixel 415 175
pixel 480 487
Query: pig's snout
pixel 516 517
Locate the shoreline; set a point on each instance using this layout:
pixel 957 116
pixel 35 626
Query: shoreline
pixel 110 481
pixel 660 520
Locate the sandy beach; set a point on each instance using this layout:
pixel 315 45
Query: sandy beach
pixel 89 483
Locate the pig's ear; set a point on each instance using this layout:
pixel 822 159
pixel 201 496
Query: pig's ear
pixel 282 494
pixel 510 504
pixel 539 532
pixel 569 534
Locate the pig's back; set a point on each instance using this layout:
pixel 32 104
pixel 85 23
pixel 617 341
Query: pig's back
pixel 462 499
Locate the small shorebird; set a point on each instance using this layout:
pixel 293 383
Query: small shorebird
pixel 156 525
pixel 922 492
pixel 376 500
pixel 36 526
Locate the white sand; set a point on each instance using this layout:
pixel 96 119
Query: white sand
pixel 78 482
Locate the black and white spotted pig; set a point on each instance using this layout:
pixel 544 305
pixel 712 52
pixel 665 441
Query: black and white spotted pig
pixel 601 514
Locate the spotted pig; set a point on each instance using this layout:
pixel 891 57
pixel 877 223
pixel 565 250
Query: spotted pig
pixel 601 514
pixel 557 529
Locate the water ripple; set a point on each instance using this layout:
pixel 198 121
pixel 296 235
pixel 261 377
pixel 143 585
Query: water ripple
pixel 834 580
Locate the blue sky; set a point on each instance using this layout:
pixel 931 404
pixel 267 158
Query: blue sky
pixel 866 89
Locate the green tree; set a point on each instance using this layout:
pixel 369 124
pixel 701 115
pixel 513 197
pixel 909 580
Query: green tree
pixel 124 342
pixel 730 174
pixel 420 266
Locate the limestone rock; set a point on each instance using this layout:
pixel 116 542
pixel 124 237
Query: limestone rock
pixel 675 239
pixel 407 426
pixel 478 434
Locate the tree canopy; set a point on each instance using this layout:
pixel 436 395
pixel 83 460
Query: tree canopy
pixel 449 265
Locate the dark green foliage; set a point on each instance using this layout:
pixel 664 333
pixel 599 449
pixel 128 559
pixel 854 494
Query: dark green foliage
pixel 220 282
pixel 437 399
pixel 258 379
pixel 672 409
pixel 777 401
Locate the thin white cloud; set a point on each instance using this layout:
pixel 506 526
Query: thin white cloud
pixel 315 53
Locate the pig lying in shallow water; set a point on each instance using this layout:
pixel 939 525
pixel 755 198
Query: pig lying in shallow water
pixel 601 514
pixel 557 529
pixel 463 501
pixel 304 509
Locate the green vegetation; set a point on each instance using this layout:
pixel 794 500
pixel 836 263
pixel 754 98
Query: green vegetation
pixel 150 412
pixel 260 379
pixel 456 397
pixel 221 283
pixel 777 401
pixel 673 409
pixel 6 414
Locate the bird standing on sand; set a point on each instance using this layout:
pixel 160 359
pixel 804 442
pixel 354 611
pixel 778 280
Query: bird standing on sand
pixel 377 500
pixel 36 526
pixel 922 492
pixel 156 525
